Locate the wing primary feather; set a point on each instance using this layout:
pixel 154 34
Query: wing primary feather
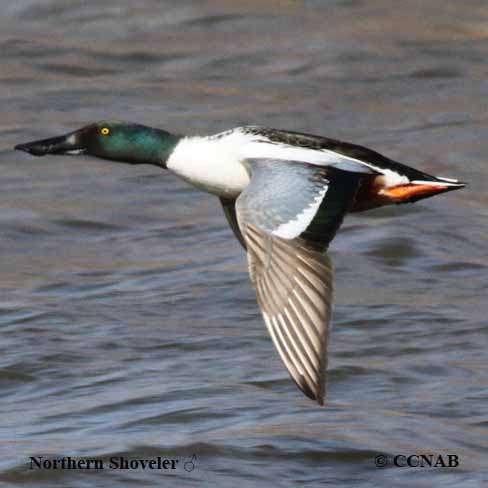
pixel 282 350
pixel 291 354
pixel 297 325
pixel 308 307
pixel 305 375
pixel 305 358
pixel 305 345
pixel 300 349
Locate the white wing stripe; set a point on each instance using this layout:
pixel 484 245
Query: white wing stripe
pixel 320 157
pixel 299 224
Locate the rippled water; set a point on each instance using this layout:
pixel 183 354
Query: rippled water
pixel 128 323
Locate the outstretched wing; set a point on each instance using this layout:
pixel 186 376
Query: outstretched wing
pixel 288 215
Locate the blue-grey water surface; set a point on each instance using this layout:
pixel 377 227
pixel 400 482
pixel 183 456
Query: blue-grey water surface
pixel 128 324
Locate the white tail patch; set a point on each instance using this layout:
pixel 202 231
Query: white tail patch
pixel 449 180
pixel 444 181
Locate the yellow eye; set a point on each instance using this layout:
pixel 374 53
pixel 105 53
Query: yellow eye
pixel 105 131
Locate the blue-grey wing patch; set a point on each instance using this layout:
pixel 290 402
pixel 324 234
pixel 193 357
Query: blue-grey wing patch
pixel 291 199
pixel 282 197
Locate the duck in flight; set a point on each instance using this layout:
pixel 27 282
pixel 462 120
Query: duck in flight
pixel 285 195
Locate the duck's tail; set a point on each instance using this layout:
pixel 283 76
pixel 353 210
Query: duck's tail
pixel 422 188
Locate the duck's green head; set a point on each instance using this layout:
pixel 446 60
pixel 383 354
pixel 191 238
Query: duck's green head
pixel 118 141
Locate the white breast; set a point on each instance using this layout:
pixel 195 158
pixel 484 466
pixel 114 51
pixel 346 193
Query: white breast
pixel 212 163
